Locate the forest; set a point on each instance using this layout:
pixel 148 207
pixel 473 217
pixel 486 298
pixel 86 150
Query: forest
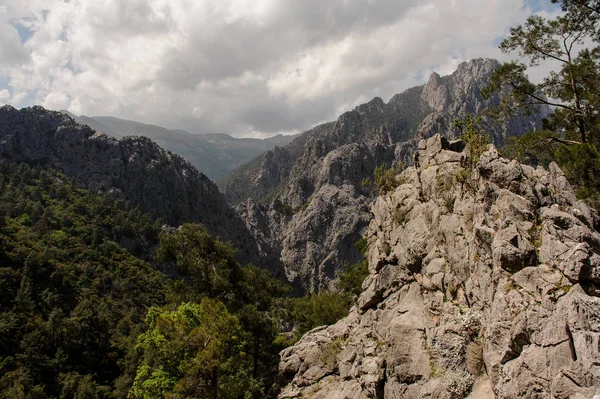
pixel 100 301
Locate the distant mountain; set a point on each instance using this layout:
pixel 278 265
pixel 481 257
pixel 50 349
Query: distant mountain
pixel 306 200
pixel 216 155
pixel 134 169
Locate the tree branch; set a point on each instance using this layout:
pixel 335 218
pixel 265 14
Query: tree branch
pixel 516 87
pixel 545 52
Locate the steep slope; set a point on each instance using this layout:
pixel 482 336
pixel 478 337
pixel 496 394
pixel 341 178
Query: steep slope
pixel 133 168
pixel 310 194
pixel 214 154
pixel 488 288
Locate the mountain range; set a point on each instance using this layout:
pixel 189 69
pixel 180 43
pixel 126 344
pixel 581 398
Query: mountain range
pixel 306 200
pixel 134 169
pixel 299 208
pixel 215 154
pixel 483 279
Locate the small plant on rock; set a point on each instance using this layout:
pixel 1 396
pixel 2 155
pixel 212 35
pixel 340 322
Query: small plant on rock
pixel 331 352
pixel 385 179
pixel 458 384
pixel 478 141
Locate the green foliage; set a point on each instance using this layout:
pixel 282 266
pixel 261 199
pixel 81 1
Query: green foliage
pixel 350 281
pixel 197 350
pixel 73 298
pixel 571 135
pixel 206 264
pixel 385 179
pixel 331 354
pixel 207 270
pixel 284 209
pixel 76 292
pixel 362 245
pixel 314 310
pixel 478 141
pixel 329 306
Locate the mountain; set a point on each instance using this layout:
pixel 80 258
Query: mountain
pixel 486 289
pixel 306 201
pixel 216 155
pixel 135 169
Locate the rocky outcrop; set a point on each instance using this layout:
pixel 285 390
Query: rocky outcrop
pixel 483 283
pixel 133 168
pixel 315 182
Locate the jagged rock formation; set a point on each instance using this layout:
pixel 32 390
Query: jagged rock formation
pixel 483 283
pixel 163 184
pixel 313 206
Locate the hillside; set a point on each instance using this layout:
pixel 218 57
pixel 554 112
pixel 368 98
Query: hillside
pixel 134 169
pixel 84 294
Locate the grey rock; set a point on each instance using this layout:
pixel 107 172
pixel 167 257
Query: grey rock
pixel 214 154
pixel 494 297
pixel 331 160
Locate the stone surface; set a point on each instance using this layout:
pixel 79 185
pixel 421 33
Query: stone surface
pixel 325 167
pixel 488 290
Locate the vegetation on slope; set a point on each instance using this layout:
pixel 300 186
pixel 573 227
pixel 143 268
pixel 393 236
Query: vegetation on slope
pixel 83 313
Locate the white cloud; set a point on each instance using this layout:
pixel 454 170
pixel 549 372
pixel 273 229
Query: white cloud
pixel 4 96
pixel 238 66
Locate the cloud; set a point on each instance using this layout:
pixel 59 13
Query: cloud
pixel 244 67
pixel 4 96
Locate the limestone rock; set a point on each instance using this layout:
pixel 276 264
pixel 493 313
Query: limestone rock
pixel 488 289
pixel 330 161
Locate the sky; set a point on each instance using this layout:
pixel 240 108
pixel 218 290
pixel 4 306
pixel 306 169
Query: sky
pixel 250 68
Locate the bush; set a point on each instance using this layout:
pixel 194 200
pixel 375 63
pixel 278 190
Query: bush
pixel 458 384
pixel 385 179
pixel 314 310
pixel 478 141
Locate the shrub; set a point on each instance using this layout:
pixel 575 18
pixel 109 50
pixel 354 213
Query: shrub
pixel 386 180
pixel 474 357
pixel 478 141
pixel 458 384
pixel 331 352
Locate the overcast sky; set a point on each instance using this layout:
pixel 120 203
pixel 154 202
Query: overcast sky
pixel 244 67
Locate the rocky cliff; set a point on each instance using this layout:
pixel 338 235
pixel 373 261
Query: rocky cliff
pixel 307 197
pixel 133 168
pixel 483 283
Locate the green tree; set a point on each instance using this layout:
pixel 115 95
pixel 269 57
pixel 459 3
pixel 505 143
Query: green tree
pixel 261 297
pixel 571 134
pixel 196 350
pixel 205 263
pixel 385 178
pixel 350 281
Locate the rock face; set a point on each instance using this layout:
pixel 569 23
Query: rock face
pixel 133 168
pixel 313 207
pixel 483 282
